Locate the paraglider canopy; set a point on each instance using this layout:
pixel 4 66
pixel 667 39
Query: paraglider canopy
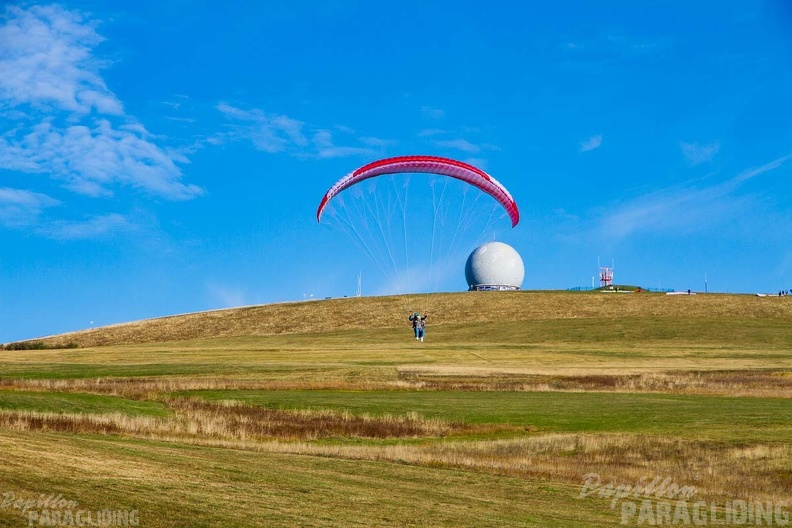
pixel 429 164
pixel 416 243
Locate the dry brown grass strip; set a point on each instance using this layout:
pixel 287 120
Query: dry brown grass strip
pixel 748 383
pixel 231 419
pixel 236 421
pixel 743 383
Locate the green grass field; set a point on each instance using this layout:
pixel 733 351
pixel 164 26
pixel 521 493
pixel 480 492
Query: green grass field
pixel 706 417
pixel 327 413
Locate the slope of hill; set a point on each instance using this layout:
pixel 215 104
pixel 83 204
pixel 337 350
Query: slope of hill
pixel 469 308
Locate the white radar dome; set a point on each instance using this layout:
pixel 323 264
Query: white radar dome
pixel 494 266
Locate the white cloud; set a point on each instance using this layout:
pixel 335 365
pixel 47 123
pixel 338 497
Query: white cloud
pixel 282 134
pixel 23 209
pixel 609 51
pixel 757 171
pixel 95 227
pixel 685 209
pixel 325 148
pixel 378 142
pixel 679 210
pixel 459 144
pixel 238 113
pixel 323 139
pixel 91 159
pixel 65 122
pixel 46 60
pixel 20 207
pixel 463 145
pixel 432 113
pixel 344 152
pixel 428 132
pixel 591 143
pixel 696 153
pixel 269 132
pixel 24 198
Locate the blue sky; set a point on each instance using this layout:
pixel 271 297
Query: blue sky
pixel 168 157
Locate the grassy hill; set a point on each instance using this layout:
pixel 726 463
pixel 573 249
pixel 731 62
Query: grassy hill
pixel 455 309
pixel 328 413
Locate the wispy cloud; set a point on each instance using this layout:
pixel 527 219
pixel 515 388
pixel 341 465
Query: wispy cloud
pixel 440 138
pixel 91 228
pixel 757 171
pixel 282 134
pixel 344 152
pixel 696 153
pixel 326 148
pixel 678 210
pixel 65 122
pixel 19 207
pixel 269 132
pixel 611 50
pixel 429 132
pixel 378 142
pixel 46 60
pixel 685 209
pixel 180 119
pixel 459 144
pixel 432 112
pixel 91 159
pixel 592 143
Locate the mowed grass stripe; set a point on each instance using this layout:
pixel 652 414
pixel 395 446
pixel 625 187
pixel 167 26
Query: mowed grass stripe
pixel 175 486
pixel 101 370
pixel 70 403
pixel 710 417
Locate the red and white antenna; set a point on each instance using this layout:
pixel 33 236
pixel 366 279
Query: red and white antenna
pixel 605 274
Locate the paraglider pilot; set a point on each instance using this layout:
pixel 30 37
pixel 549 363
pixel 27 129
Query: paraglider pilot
pixel 418 322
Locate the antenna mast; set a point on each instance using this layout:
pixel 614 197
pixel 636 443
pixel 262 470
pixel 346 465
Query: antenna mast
pixel 605 273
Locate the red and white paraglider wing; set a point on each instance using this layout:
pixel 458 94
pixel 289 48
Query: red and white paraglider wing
pixel 430 164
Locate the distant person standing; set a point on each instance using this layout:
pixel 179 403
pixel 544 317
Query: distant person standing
pixel 419 325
